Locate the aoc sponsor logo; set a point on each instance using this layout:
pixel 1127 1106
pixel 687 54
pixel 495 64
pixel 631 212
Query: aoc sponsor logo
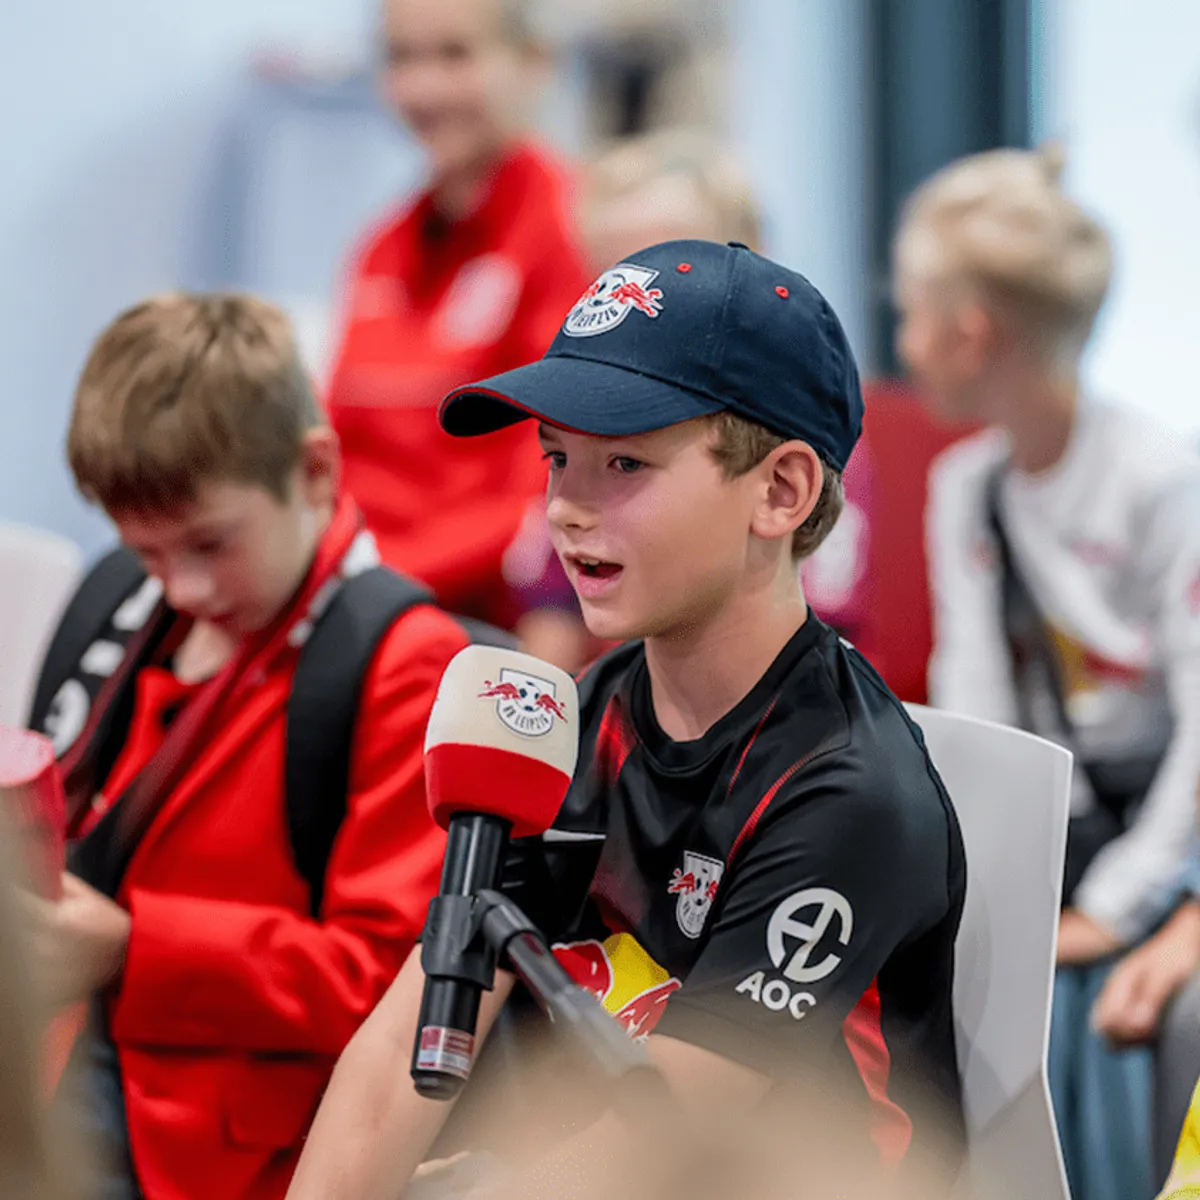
pixel 776 995
pixel 798 927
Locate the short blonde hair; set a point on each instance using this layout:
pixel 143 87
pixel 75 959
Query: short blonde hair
pixel 186 389
pixel 739 446
pixel 1001 221
pixel 629 165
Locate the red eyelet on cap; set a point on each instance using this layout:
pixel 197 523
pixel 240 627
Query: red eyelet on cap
pixel 684 268
pixel 782 293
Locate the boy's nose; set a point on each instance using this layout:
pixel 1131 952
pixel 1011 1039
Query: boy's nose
pixel 188 590
pixel 565 511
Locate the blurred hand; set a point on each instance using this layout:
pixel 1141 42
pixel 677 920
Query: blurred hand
pixel 1130 1007
pixel 78 941
pixel 1082 940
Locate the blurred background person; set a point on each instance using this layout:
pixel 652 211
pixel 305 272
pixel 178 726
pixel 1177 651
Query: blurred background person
pixel 473 278
pixel 659 187
pixel 646 64
pixel 1152 997
pixel 1064 570
pixel 38 1161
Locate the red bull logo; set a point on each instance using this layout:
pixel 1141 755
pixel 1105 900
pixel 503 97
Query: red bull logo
pixel 525 703
pixel 609 301
pixel 500 691
pixel 547 703
pixel 623 977
pixel 644 301
pixel 689 885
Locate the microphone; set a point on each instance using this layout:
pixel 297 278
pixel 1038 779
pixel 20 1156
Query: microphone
pixel 500 750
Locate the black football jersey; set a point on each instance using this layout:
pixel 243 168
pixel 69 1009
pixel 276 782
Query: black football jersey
pixel 784 891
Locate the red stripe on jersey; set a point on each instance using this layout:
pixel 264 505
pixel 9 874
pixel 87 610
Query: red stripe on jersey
pixel 891 1126
pixel 761 807
pixel 745 753
pixel 615 741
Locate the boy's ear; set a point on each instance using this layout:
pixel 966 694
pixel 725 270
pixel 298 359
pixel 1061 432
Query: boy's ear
pixel 980 334
pixel 321 466
pixel 793 477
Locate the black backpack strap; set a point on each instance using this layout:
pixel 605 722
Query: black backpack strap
pixel 1024 624
pixel 105 587
pixel 323 708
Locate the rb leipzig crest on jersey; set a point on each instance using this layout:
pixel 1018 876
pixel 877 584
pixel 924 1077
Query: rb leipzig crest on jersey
pixel 525 703
pixel 612 298
pixel 696 887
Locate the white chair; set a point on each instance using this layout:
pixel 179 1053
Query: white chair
pixel 38 573
pixel 1011 791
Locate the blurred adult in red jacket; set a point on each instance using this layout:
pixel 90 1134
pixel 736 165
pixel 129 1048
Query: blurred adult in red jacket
pixel 474 277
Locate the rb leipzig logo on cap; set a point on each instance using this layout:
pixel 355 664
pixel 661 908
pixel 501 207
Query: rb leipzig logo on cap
pixel 613 296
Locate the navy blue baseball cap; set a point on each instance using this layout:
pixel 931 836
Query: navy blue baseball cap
pixel 682 330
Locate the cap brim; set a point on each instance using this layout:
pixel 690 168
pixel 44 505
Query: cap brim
pixel 573 393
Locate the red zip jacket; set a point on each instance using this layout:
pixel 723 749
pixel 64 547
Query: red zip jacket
pixel 434 305
pixel 235 1003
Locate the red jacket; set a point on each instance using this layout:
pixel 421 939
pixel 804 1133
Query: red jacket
pixel 432 306
pixel 235 1003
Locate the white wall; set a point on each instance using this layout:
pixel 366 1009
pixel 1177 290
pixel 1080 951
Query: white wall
pixel 800 120
pixel 109 112
pixel 1121 86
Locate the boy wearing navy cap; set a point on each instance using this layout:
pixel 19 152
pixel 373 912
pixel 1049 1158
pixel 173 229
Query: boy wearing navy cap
pixel 757 868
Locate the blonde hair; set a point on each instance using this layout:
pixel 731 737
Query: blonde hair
pixel 630 165
pixel 739 446
pixel 185 389
pixel 1001 221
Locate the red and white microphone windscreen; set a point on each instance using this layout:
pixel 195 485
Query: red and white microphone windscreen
pixel 503 739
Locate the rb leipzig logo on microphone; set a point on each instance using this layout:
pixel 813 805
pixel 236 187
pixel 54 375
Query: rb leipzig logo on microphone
pixel 525 703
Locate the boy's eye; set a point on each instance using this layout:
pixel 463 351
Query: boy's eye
pixel 626 465
pixel 556 458
pixel 208 547
pixel 455 52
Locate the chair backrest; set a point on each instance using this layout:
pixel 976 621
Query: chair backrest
pixel 38 573
pixel 1011 791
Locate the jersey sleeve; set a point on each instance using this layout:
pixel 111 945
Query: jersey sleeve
pixel 820 901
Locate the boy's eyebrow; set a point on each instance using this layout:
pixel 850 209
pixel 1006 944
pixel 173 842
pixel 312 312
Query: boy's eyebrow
pixel 546 432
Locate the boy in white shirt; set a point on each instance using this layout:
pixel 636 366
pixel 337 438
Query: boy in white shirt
pixel 1066 585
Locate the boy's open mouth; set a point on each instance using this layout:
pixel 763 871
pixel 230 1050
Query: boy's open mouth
pixel 595 568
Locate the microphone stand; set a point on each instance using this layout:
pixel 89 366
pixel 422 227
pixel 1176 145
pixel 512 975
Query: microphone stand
pixel 499 931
